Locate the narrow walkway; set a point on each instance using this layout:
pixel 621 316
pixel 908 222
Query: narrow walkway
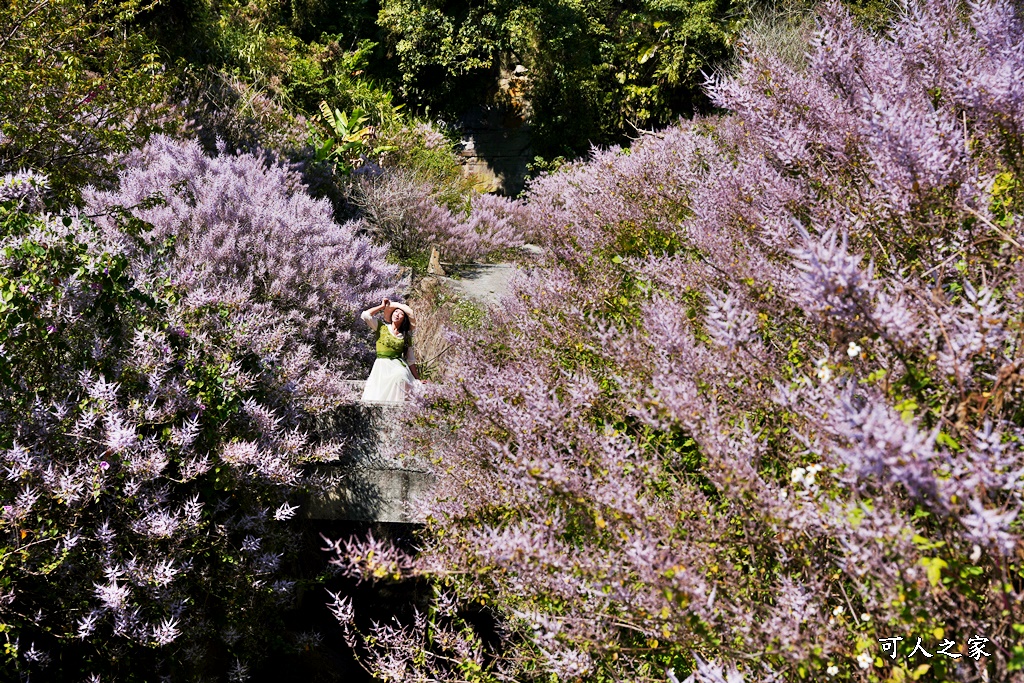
pixel 485 283
pixel 372 482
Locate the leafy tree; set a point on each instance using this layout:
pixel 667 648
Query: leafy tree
pixel 597 70
pixel 77 82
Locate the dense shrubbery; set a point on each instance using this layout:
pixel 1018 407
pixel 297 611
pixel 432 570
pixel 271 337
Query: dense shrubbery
pixel 77 82
pixel 255 44
pixel 403 211
pixel 246 236
pixel 596 70
pixel 162 366
pixel 763 408
pixel 759 409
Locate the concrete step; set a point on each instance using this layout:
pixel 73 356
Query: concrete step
pixel 375 495
pixel 372 481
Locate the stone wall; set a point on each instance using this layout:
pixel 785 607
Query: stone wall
pixel 497 143
pixel 371 481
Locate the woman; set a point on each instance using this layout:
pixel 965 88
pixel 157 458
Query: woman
pixel 394 371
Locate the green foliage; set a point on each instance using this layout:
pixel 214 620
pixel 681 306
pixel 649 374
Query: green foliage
pixel 431 157
pixel 1007 192
pixel 77 82
pixel 874 14
pixel 467 314
pixel 540 165
pixel 350 19
pixel 36 272
pixel 349 140
pixel 596 70
pixel 780 27
pixel 270 51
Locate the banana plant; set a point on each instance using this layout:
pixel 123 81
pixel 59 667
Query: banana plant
pixel 349 137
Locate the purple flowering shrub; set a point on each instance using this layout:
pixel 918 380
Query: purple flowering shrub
pixel 762 407
pixel 240 232
pixel 142 467
pixel 403 210
pixel 164 368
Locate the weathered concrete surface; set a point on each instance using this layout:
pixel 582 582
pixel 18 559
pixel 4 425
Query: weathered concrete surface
pixel 484 283
pixel 372 481
pixel 375 495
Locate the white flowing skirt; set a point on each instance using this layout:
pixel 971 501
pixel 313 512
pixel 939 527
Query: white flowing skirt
pixel 390 381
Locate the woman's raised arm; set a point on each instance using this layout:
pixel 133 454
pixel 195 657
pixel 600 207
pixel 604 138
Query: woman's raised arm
pixel 368 314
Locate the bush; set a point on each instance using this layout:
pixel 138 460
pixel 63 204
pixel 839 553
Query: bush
pixel 245 236
pixel 762 410
pixel 77 82
pixel 402 212
pixel 150 466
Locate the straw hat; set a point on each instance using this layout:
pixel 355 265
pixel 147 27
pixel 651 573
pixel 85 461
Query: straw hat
pixel 408 313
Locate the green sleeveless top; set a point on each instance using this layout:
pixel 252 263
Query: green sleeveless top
pixel 388 345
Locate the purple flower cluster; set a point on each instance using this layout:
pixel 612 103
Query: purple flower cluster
pixel 26 188
pixel 163 371
pixel 249 239
pixel 402 211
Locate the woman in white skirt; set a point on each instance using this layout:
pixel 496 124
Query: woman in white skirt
pixel 394 372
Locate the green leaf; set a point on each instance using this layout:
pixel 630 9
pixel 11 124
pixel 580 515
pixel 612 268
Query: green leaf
pixel 933 566
pixel 946 440
pixel 647 54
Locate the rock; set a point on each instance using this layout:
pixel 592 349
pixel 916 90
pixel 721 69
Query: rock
pixel 371 480
pixel 497 142
pixel 404 286
pixel 434 268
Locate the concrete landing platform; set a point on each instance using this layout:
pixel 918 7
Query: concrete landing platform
pixel 375 495
pixel 483 282
pixel 371 481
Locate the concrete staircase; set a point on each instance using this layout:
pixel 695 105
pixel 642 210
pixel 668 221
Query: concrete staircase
pixel 371 482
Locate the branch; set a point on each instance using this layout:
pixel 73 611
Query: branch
pixel 3 43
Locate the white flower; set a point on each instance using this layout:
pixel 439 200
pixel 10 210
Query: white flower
pixel 975 553
pixel 824 372
pixel 832 670
pixel 838 610
pixel 865 617
pixel 864 659
pixel 285 512
pixel 797 475
pixel 165 633
pixel 853 350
